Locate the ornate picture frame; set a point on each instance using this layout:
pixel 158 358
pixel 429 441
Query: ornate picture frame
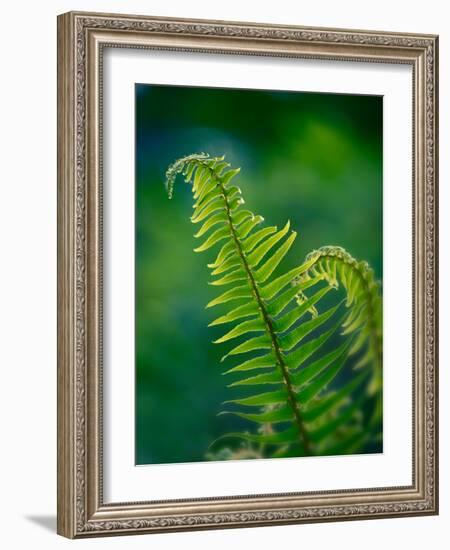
pixel 82 39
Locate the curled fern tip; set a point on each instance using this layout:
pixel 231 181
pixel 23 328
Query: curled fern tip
pixel 185 166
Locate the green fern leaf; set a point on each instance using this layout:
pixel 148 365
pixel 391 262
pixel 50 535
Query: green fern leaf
pixel 284 322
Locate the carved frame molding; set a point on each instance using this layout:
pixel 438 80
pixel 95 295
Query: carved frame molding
pixel 81 39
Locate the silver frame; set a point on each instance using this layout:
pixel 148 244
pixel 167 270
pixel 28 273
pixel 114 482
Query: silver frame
pixel 81 40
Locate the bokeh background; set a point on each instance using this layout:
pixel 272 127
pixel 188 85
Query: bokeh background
pixel 313 158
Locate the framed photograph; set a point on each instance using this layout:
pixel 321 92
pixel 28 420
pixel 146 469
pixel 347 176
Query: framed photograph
pixel 247 284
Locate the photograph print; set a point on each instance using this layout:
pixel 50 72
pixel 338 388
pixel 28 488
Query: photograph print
pixel 258 276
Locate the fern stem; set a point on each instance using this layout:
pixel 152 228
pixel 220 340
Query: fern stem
pixel 304 439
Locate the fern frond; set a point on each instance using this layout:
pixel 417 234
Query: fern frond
pixel 281 323
pixel 337 267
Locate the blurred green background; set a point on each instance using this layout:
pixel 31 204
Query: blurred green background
pixel 313 158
